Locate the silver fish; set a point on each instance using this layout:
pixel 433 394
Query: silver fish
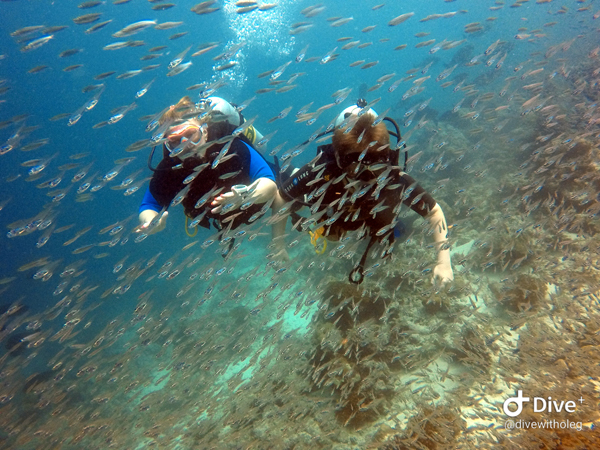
pixel 134 28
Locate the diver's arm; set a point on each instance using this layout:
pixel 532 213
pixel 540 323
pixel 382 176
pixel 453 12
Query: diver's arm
pixel 421 202
pixel 263 187
pixel 149 209
pixel 266 189
pixel 263 190
pixel 443 267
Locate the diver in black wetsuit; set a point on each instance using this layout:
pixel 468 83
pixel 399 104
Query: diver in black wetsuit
pixel 355 183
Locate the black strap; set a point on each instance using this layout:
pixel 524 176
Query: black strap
pixel 166 153
pixel 153 169
pixel 357 275
pixel 398 136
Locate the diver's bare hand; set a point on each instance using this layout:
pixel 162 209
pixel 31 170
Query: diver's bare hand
pixel 442 274
pixel 151 222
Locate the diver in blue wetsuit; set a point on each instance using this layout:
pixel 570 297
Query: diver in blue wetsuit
pixel 209 166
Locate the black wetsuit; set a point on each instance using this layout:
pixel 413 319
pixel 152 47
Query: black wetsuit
pixel 400 187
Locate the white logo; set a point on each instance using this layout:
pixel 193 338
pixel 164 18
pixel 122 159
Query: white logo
pixel 518 401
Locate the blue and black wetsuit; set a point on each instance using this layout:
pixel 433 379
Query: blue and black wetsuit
pixel 244 167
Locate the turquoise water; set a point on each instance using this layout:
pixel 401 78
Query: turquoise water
pixel 111 343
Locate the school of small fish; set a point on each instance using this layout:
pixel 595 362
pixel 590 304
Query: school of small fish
pixel 195 338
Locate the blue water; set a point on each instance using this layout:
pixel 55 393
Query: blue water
pixel 268 45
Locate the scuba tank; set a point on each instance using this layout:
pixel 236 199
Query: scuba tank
pixel 223 110
pixel 353 110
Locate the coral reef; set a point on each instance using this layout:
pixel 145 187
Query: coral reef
pixel 431 428
pixel 523 294
pixel 352 354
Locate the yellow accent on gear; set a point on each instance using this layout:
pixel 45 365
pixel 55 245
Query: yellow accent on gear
pixel 186 228
pixel 314 240
pixel 250 134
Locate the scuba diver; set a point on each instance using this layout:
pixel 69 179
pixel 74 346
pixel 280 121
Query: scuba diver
pixel 209 166
pixel 356 184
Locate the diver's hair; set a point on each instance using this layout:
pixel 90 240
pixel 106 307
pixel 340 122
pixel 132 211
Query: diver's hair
pixel 177 111
pixel 344 143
